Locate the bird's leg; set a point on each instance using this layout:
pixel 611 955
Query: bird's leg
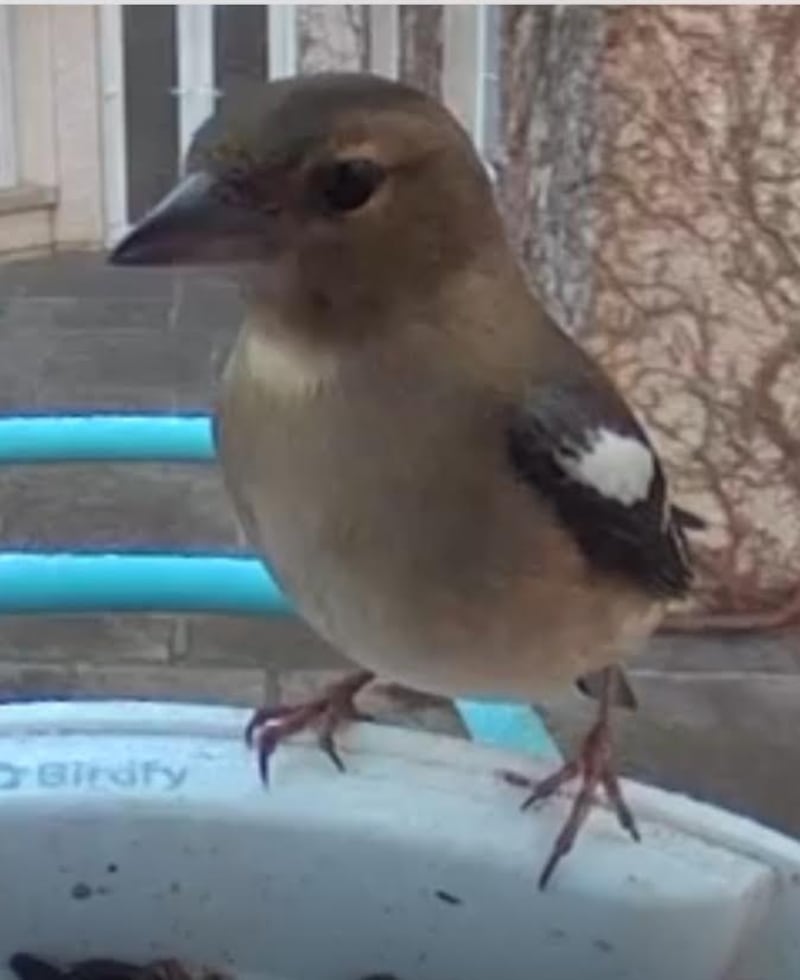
pixel 594 765
pixel 270 726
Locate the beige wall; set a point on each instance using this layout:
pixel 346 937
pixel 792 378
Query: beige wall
pixel 59 201
pixel 696 303
pixel 650 175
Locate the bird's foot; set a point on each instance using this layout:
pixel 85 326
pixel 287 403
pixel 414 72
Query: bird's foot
pixel 270 726
pixel 594 766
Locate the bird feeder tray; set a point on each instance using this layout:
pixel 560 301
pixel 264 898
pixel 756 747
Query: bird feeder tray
pixel 141 830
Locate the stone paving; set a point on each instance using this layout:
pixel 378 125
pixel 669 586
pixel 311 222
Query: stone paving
pixel 719 718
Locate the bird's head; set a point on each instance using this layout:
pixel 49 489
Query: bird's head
pixel 324 180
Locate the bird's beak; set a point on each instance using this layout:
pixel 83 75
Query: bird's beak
pixel 195 225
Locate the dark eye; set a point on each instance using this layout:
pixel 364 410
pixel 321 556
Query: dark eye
pixel 347 184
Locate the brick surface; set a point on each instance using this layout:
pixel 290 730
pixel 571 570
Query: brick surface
pixel 109 369
pixel 207 685
pixel 68 639
pixel 116 506
pixel 211 685
pixel 20 367
pixel 771 653
pixel 281 642
pixel 82 275
pixel 76 334
pixel 81 313
pixel 207 306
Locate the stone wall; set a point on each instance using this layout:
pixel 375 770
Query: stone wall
pixel 649 172
pixel 697 270
pixel 658 151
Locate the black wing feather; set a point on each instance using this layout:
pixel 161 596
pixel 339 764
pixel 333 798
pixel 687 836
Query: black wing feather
pixel 644 541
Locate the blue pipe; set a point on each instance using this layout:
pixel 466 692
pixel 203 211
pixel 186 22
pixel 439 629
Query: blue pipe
pixel 100 583
pixel 58 583
pixel 84 583
pixel 106 438
pixel 508 726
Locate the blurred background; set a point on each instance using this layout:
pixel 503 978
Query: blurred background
pixel 647 162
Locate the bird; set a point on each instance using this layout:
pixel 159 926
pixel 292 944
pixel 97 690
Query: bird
pixel 450 489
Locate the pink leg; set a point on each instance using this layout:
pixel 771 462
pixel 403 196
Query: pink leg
pixel 270 726
pixel 594 766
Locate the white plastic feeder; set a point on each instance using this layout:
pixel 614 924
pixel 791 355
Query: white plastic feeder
pixel 141 830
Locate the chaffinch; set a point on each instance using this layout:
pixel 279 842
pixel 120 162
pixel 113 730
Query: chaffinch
pixel 450 489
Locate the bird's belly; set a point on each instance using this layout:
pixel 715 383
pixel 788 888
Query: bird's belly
pixel 453 620
pixel 460 644
pixel 458 586
pixel 492 651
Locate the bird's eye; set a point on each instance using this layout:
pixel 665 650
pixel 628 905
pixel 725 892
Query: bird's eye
pixel 348 184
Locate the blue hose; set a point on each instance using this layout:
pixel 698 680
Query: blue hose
pixel 106 438
pixel 84 583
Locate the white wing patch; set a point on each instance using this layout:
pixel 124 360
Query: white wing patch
pixel 616 466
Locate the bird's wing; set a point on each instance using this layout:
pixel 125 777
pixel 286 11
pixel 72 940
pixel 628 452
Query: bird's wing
pixel 577 444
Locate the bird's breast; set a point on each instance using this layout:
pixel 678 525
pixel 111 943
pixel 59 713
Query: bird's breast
pixel 383 503
pixel 359 464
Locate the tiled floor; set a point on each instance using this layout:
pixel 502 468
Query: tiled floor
pixel 718 718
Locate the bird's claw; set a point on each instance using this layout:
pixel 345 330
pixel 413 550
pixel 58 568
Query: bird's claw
pixel 270 726
pixel 594 767
pixel 260 719
pixel 265 740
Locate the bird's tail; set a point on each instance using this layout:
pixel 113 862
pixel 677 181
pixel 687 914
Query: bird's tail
pixel 687 520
